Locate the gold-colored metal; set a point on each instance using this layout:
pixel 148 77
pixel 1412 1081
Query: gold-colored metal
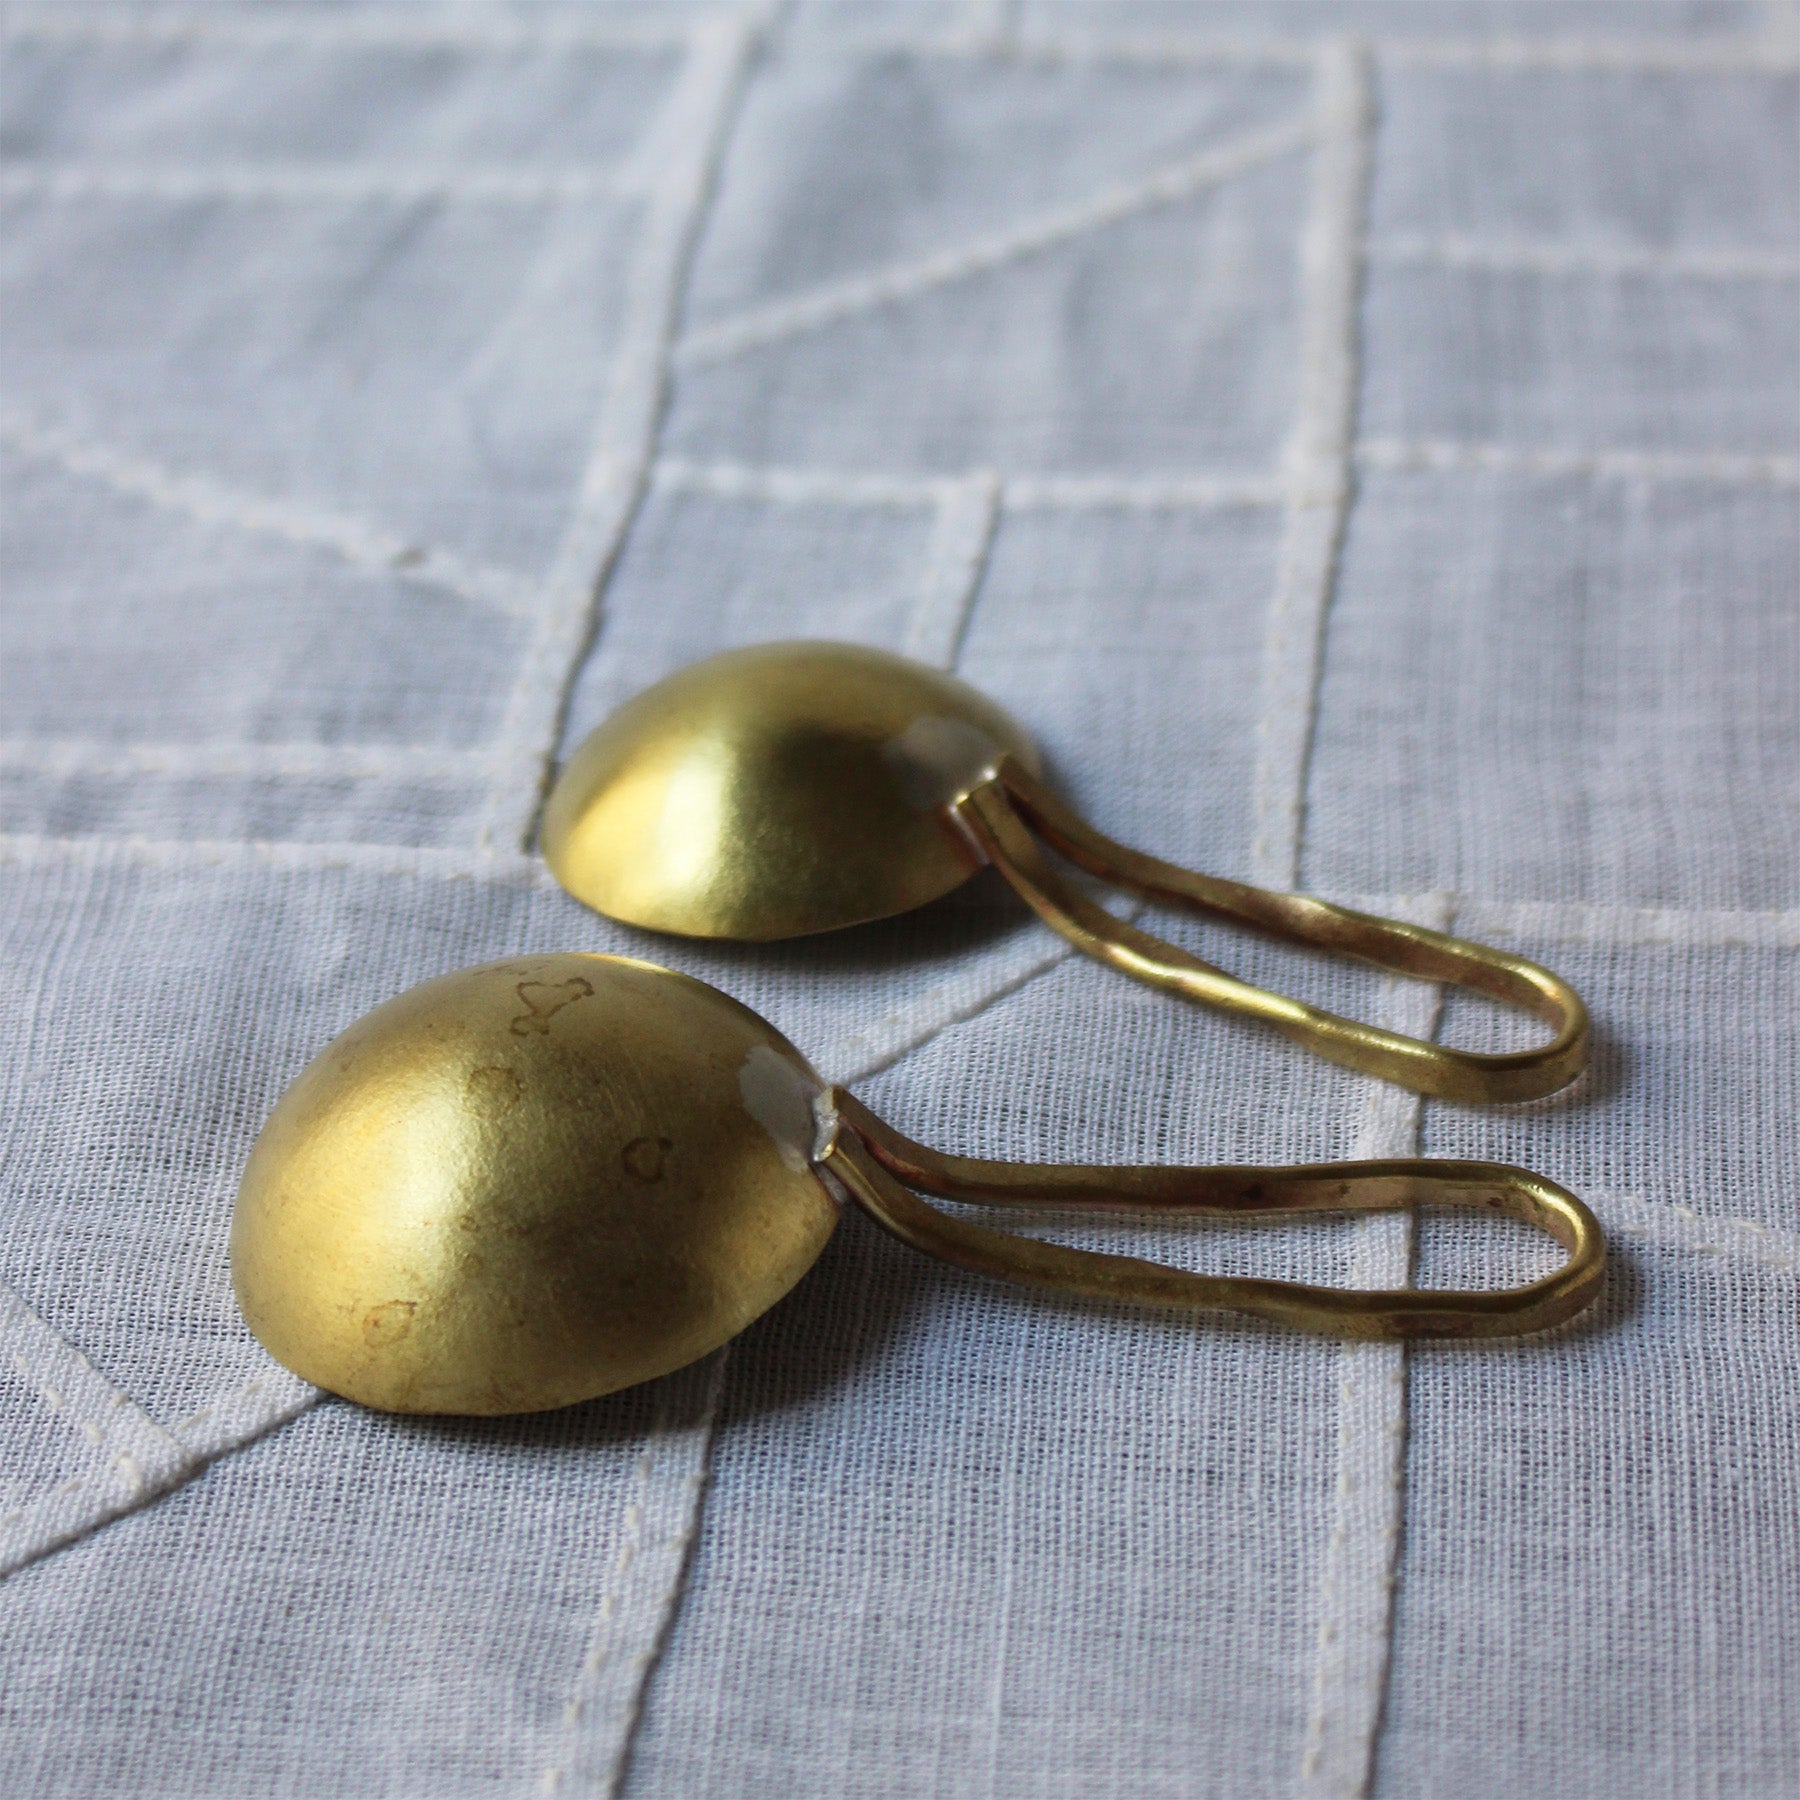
pixel 878 1166
pixel 776 792
pixel 798 788
pixel 1000 811
pixel 536 1181
pixel 526 1184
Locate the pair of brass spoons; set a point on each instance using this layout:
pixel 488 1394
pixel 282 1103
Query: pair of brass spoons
pixel 537 1181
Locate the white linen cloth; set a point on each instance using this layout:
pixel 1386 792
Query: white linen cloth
pixel 1359 440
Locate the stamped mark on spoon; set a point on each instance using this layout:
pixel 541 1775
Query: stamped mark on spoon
pixel 544 999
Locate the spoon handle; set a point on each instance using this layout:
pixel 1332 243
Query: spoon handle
pixel 1004 812
pixel 879 1167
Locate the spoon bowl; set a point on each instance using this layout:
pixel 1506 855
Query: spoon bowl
pixel 528 1183
pixel 775 792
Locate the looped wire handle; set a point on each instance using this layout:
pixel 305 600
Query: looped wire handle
pixel 879 1167
pixel 1004 811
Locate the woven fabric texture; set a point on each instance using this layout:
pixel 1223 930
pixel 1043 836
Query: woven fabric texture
pixel 1361 441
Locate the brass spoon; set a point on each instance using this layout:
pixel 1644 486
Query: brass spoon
pixel 794 788
pixel 525 1184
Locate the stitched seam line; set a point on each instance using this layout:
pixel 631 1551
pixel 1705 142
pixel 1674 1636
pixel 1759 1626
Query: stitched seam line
pixel 841 487
pixel 388 28
pixel 1318 462
pixel 835 301
pixel 210 503
pixel 70 758
pixel 375 29
pixel 1511 256
pixel 142 1459
pixel 1356 1593
pixel 691 137
pixel 1678 1227
pixel 305 183
pixel 25 850
pixel 643 1590
pixel 967 515
pixel 136 1449
pixel 1395 455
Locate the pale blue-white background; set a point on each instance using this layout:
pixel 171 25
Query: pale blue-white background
pixel 1361 442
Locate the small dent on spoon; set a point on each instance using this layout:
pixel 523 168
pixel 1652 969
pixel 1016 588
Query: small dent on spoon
pixel 645 1159
pixel 388 1323
pixel 493 1090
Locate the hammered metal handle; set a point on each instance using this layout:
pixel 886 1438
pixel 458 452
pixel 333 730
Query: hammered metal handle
pixel 879 1168
pixel 1003 813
